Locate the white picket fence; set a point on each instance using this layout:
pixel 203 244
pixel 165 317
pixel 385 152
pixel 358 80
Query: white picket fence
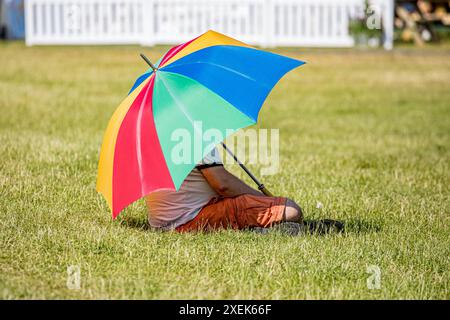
pixel 318 23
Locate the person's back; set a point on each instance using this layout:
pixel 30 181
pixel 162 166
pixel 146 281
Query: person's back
pixel 169 209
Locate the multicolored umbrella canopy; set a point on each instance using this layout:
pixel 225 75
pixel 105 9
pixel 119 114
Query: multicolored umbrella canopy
pixel 214 80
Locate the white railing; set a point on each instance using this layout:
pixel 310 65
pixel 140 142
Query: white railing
pixel 149 22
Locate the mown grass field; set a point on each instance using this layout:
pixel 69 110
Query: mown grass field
pixel 366 133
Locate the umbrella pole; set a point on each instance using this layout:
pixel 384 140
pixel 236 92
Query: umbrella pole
pixel 261 186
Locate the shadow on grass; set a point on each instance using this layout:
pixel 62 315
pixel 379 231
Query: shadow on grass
pixel 135 223
pixel 350 226
pixel 321 228
pixel 361 226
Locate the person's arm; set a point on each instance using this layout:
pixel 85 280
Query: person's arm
pixel 225 183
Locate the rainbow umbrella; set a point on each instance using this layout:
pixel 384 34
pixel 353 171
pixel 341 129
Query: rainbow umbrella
pixel 213 80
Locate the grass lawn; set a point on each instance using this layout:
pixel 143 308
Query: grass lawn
pixel 366 133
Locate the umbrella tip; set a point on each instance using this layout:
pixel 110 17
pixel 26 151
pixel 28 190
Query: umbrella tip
pixel 148 61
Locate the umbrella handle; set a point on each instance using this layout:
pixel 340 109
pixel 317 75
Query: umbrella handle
pixel 261 186
pixel 264 190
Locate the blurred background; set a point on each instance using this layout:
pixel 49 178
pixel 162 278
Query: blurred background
pixel 364 138
pixel 318 23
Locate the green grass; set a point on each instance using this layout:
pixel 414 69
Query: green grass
pixel 367 133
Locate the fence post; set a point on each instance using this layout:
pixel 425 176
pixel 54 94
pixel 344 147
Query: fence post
pixel 388 24
pixel 268 21
pixel 148 19
pixel 28 23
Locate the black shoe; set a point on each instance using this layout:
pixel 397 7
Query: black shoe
pixel 324 226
